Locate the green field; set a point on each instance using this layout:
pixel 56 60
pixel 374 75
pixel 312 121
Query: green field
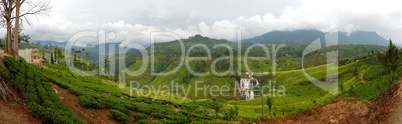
pixel 177 97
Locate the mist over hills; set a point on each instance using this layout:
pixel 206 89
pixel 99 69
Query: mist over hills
pixel 307 36
pixel 297 37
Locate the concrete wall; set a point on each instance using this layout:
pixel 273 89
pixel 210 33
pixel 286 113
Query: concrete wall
pixel 26 54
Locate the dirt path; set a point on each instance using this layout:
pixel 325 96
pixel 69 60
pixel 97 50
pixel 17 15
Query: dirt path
pixel 16 113
pixel 396 117
pixel 362 77
pixel 341 110
pixel 91 116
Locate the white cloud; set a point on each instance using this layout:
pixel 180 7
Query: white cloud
pixel 187 19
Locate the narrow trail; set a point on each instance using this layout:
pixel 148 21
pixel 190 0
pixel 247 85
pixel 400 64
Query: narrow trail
pixel 91 116
pixel 396 117
pixel 362 77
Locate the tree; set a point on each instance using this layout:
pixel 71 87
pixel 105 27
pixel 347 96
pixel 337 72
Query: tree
pixel 270 102
pixel 87 55
pixel 86 58
pixel 83 62
pixel 58 54
pixel 82 53
pixel 75 56
pixel 55 57
pixel 16 27
pixel 21 36
pixel 7 8
pixel 51 58
pixel 116 73
pixel 341 88
pixel 389 60
pixel 44 58
pixel 217 106
pixel 106 65
pixel 356 73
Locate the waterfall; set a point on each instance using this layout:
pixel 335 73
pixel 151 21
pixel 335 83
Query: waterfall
pixel 247 83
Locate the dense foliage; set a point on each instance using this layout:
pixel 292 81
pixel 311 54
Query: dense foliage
pixel 139 116
pixel 121 117
pixel 90 91
pixel 35 88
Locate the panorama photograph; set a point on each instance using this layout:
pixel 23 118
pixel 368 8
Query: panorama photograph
pixel 200 62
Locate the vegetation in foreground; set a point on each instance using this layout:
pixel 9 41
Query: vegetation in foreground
pixel 33 83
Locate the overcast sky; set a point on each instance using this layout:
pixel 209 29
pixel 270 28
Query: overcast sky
pixel 133 20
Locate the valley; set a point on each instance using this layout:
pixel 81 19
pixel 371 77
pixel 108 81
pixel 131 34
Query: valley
pixel 184 97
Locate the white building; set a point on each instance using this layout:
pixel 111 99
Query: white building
pixel 31 56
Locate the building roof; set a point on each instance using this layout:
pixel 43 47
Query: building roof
pixel 36 63
pixel 35 54
pixel 35 49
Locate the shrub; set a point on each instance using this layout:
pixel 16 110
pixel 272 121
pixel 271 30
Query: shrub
pixel 373 73
pixel 169 122
pixel 121 109
pixel 139 116
pixel 146 122
pixel 89 102
pixel 183 120
pixel 399 70
pixel 158 115
pixel 119 116
pixel 5 74
pixel 143 108
pixel 205 122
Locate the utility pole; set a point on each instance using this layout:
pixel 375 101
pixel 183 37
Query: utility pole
pixel 262 94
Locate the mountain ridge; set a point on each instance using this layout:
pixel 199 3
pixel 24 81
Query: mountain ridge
pixel 307 36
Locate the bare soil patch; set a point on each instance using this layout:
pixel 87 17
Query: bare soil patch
pixel 396 106
pixel 341 110
pixel 91 116
pixel 16 112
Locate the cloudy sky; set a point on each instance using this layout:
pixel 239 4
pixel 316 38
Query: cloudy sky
pixel 134 20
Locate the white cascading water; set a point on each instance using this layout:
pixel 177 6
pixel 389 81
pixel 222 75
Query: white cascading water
pixel 247 83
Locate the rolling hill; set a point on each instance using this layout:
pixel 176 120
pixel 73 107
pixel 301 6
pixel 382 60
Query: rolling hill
pixel 307 36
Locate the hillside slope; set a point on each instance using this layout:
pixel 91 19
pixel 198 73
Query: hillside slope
pixel 308 36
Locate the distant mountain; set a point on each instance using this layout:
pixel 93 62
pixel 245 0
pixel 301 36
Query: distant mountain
pixel 51 43
pixel 288 37
pixel 92 49
pixel 307 36
pixel 362 37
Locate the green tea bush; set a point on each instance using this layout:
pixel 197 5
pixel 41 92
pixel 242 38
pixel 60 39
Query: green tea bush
pixel 119 116
pixel 143 108
pixel 373 72
pixel 90 91
pixel 146 122
pixel 5 74
pixel 205 122
pixel 41 99
pixel 189 114
pixel 89 102
pixel 399 71
pixel 231 113
pixel 159 115
pixel 139 116
pixel 372 89
pixel 121 109
pixel 182 120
